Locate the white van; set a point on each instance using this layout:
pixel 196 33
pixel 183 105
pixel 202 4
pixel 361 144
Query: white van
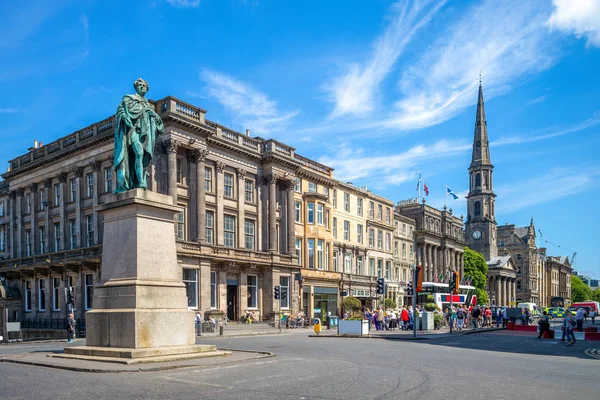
pixel 533 308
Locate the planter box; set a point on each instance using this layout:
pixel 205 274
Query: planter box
pixel 353 327
pixel 427 321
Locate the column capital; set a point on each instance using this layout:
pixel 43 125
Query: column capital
pixel 289 185
pixel 48 183
pixel 33 187
pixel 62 178
pixel 20 192
pixel 269 178
pixel 78 172
pixel 170 145
pixel 196 155
pixel 13 194
pixel 220 166
pixel 96 165
pixel 241 173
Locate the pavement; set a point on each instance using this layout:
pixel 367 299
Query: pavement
pixel 488 365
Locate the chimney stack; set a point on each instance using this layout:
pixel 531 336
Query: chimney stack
pixel 247 132
pixel 35 144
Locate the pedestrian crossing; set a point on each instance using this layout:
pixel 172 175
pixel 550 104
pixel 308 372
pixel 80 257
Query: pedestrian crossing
pixel 594 353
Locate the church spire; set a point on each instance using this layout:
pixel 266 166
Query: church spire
pixel 481 149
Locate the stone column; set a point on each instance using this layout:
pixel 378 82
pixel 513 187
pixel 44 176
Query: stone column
pixel 241 173
pixel 514 290
pixel 96 171
pixel 291 218
pixel 429 263
pixel 78 175
pixel 220 191
pixel 35 249
pixel 498 298
pixel 48 226
pixel 192 184
pixel 201 196
pixel 62 179
pixel 19 217
pixel 272 212
pixel 12 230
pixel 171 146
pixel 506 290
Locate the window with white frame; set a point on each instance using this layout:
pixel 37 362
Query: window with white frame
pixel 348 263
pixel 108 180
pixel 284 284
pixel 229 230
pixel 320 213
pixel 379 239
pixel 312 187
pixel 388 242
pixel 88 282
pixel 347 202
pixel 181 225
pixel 311 253
pixel 380 268
pixel 190 279
pixel 57 195
pixel 334 227
pixel 298 211
pixel 179 170
pixel 359 265
pixel 213 289
pixel 387 216
pixel 90 184
pixel 210 225
pixel 28 203
pixel 335 261
pixel 28 249
pixel 252 291
pixel 404 251
pixel 249 234
pixel 327 218
pixel 28 295
pixel 249 190
pixel 42 295
pixel 298 185
pixel 228 182
pixel 388 270
pixel 334 201
pixel 208 179
pixel 42 195
pixel 371 210
pixel 411 252
pixel 395 248
pixel 73 191
pixel 371 266
pixel 310 217
pixel 359 233
pixel 55 294
pixel 73 233
pixel 320 254
pixel 299 250
pixel 359 206
pixel 327 257
pixel 89 228
pixel 346 230
pixel 379 212
pixel 371 237
pixel 57 236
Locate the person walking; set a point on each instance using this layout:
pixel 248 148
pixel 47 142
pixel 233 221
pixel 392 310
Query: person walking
pixel 393 320
pixel 498 317
pixel 380 319
pixel 593 316
pixel 504 317
pixel 460 318
pixel 568 325
pixel 405 317
pixel 71 328
pixel 579 319
pixel 544 325
pixel 488 317
pixel 475 315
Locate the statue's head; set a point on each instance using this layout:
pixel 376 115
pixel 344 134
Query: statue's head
pixel 141 86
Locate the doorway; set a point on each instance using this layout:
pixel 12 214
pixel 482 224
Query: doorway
pixel 232 297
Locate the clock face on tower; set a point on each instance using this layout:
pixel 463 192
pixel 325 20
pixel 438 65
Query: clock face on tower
pixel 476 234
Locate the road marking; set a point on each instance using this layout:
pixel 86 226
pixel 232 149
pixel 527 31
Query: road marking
pixel 594 353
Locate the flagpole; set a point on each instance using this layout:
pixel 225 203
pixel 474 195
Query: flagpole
pixel 446 199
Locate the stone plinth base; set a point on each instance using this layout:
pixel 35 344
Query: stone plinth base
pixel 136 356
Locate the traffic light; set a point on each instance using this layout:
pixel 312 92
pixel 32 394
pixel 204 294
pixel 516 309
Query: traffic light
pixel 70 296
pixel 380 286
pixel 456 282
pixel 276 294
pixel 283 294
pixel 409 289
pixel 419 279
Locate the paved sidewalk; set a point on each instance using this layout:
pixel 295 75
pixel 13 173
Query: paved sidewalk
pixel 408 335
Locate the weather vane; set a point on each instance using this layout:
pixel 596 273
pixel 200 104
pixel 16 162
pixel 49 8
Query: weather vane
pixel 480 77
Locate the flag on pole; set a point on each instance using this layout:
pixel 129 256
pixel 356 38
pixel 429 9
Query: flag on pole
pixel 451 193
pixel 418 182
pixel 425 189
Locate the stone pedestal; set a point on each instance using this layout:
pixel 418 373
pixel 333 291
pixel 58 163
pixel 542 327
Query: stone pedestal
pixel 140 302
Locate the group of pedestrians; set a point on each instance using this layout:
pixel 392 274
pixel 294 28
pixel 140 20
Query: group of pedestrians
pixel 389 319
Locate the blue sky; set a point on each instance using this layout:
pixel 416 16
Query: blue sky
pixel 376 89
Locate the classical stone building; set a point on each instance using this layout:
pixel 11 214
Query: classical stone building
pixel 362 234
pixel 440 239
pixel 404 229
pixel 558 284
pixel 254 214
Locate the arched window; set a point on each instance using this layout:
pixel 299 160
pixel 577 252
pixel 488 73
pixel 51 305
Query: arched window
pixel 477 209
pixel 477 180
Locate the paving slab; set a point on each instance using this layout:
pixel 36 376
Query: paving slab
pixel 46 359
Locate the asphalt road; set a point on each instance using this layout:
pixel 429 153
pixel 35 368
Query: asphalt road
pixel 480 366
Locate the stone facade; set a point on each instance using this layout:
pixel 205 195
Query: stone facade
pixel 558 284
pixel 440 239
pixel 404 239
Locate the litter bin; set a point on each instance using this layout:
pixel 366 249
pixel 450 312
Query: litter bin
pixel 332 322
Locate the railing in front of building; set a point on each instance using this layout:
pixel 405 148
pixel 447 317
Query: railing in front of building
pixel 53 258
pixel 53 324
pixel 234 253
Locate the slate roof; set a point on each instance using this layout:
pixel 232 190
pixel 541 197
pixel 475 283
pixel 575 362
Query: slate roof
pixel 498 262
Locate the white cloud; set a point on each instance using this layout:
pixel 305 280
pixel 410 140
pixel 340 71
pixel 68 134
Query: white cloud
pixel 247 105
pixel 539 99
pixel 581 17
pixel 184 3
pixel 389 169
pixel 588 123
pixel 504 40
pixel 356 91
pixel 9 110
pixel 556 184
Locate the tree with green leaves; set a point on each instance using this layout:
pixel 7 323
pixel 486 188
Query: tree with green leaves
pixel 476 268
pixel 390 304
pixel 579 290
pixel 596 294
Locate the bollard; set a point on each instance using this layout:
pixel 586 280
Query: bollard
pixel 221 330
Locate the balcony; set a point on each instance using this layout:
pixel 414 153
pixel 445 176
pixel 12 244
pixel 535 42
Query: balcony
pixel 231 254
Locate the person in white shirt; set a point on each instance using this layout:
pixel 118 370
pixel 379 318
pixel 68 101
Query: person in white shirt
pixel 593 316
pixel 393 320
pixel 579 318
